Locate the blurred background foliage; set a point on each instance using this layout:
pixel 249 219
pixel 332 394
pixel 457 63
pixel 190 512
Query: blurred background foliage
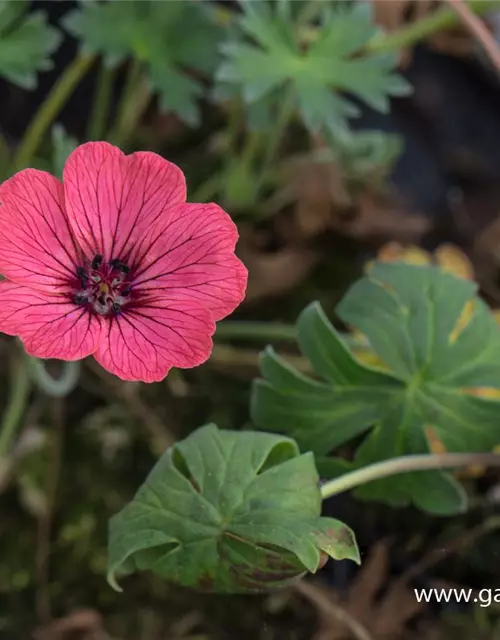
pixel 334 132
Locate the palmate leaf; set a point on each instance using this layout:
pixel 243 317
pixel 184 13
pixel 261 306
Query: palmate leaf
pixel 269 57
pixel 26 43
pixel 438 341
pixel 171 38
pixel 225 511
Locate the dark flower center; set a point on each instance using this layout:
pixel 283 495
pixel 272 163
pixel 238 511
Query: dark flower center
pixel 105 287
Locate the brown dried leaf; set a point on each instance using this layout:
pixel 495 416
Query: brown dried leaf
pixel 321 200
pixel 271 274
pixel 382 618
pixel 315 189
pixel 379 217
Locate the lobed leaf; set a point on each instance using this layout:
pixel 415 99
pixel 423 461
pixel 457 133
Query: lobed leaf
pixel 439 343
pixel 228 512
pixel 26 43
pixel 269 56
pixel 171 38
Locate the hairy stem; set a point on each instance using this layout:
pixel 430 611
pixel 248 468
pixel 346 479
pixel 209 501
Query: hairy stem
pixel 405 464
pixel 50 109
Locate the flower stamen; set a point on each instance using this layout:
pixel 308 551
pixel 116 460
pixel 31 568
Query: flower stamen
pixel 104 287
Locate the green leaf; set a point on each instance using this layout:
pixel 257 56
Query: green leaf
pixel 228 511
pixel 171 38
pixel 269 55
pixel 26 43
pixel 439 344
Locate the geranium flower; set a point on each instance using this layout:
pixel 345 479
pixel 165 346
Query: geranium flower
pixel 114 263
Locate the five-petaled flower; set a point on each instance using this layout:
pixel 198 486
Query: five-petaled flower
pixel 114 263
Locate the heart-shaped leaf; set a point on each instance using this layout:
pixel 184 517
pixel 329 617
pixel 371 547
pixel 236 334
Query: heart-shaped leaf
pixel 228 511
pixel 438 342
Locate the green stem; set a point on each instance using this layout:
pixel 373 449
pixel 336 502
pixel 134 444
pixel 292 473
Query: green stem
pixel 260 331
pixel 16 405
pixel 5 157
pixel 282 121
pixel 56 387
pixel 134 99
pixel 50 109
pixel 100 106
pixel 443 18
pixel 406 464
pixel 271 331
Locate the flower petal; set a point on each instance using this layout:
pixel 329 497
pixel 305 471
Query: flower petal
pixel 143 343
pixel 112 199
pixel 49 326
pixel 193 256
pixel 37 248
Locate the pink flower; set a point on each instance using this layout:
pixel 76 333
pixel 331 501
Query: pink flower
pixel 114 263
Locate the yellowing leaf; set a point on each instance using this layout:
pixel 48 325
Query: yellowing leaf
pixel 483 392
pixel 454 261
pixel 437 339
pixel 395 252
pixel 435 444
pixel 463 320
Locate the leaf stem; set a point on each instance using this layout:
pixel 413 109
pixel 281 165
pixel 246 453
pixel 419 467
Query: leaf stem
pixel 260 331
pixel 271 331
pixel 5 158
pixel 443 18
pixel 100 105
pixel 16 405
pixel 406 464
pixel 50 109
pixel 56 387
pixel 283 118
pixel 134 100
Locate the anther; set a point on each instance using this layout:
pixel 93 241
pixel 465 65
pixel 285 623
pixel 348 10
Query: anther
pixel 116 307
pixel 97 261
pixel 80 298
pixel 81 273
pixel 119 265
pixel 126 291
